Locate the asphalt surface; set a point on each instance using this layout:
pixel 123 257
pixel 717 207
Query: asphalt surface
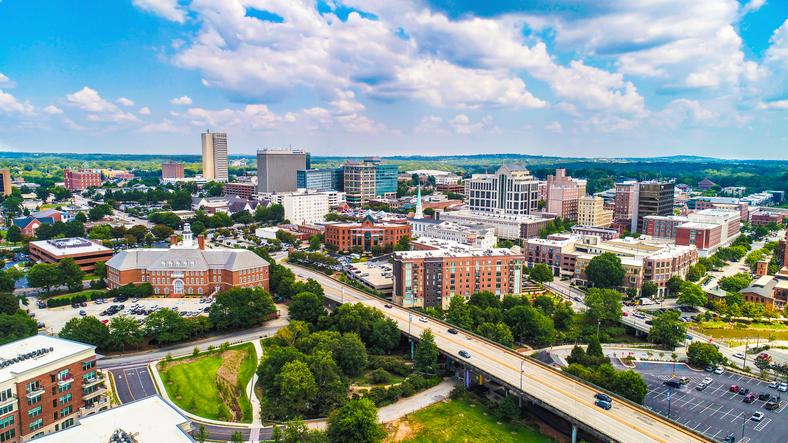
pixel 133 383
pixel 715 412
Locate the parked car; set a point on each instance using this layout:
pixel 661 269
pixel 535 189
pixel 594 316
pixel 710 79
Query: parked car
pixel 82 313
pixel 774 385
pixel 749 398
pixel 707 380
pixel 719 370
pixel 734 388
pixel 41 304
pixel 672 384
pixel 701 386
pixel 772 405
pixel 765 396
pixel 729 439
pixel 744 391
pixel 757 416
pixel 603 404
pixel 603 397
pixel 465 354
pixel 783 387
pixel 709 368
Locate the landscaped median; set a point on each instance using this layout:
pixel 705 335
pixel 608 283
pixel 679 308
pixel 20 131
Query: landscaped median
pixel 212 384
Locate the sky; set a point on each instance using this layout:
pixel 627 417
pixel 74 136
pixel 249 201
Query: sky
pixel 608 78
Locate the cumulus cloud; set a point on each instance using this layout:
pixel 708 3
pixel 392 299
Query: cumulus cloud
pixel 144 111
pixel 183 100
pixel 125 101
pixel 10 105
pixel 6 82
pixel 162 126
pixel 168 9
pixel 98 109
pixel 462 124
pixel 52 110
pixel 555 127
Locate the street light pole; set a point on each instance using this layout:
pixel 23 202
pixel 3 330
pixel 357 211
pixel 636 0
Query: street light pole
pixel 521 382
pixel 597 328
pixel 744 422
pixel 410 319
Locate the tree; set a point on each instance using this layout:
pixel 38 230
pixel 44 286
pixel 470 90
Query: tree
pixel 355 422
pixel 87 330
pixel 166 326
pixel 161 232
pixel 125 332
pixel 166 218
pixel 701 354
pixel 735 283
pixel 241 308
pixel 9 304
pixel 696 272
pixel 100 269
pixel 44 276
pixel 691 294
pixel 7 281
pixel 351 354
pixel 604 305
pixel 315 242
pixel 426 355
pixel 763 361
pixel 201 434
pixel 629 384
pixel 16 326
pixel 648 289
pixel 14 234
pixel 667 329
pixel 497 332
pixel 605 271
pixel 459 313
pixel 71 274
pixel 296 388
pixel 674 284
pixel 307 307
pixel 530 325
pixel 237 437
pixel 541 273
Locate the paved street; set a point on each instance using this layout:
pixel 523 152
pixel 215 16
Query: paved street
pixel 133 383
pixel 715 411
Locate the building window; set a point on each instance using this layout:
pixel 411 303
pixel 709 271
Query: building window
pixel 37 424
pixel 7 435
pixel 6 421
pixel 35 412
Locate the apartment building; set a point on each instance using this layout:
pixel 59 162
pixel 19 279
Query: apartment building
pixel 277 169
pixel 245 190
pixel 46 383
pixel 365 235
pixel 214 156
pixel 188 269
pixel 5 182
pixel 626 201
pixel 512 190
pixel 603 233
pixel 591 212
pixel 562 195
pixel 550 251
pixel 427 278
pixel 510 227
pixel 81 179
pixel 303 206
pixel 172 170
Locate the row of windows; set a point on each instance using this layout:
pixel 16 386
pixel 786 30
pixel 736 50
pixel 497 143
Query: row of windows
pixel 7 421
pixel 37 424
pixel 6 394
pixel 7 435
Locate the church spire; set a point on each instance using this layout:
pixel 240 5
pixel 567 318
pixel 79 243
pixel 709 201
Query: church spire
pixel 419 211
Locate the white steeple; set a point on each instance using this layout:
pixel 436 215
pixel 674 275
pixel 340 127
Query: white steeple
pixel 419 210
pixel 188 241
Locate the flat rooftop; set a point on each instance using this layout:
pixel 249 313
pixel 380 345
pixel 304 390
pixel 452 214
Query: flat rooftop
pixel 150 420
pixel 456 251
pixel 377 274
pixel 69 246
pixel 33 352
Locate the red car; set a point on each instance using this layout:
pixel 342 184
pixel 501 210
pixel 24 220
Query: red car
pixel 749 398
pixel 734 388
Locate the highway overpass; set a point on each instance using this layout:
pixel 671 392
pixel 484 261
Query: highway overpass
pixel 539 384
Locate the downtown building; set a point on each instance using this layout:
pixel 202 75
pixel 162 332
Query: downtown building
pixel 512 190
pixel 431 277
pixel 365 235
pixel 5 182
pixel 214 156
pixel 85 253
pixel 509 227
pixel 479 236
pixel 708 230
pixel 277 169
pixel 562 195
pixel 171 170
pixel 188 269
pixel 245 190
pixel 625 206
pixel 654 198
pixel 591 212
pixel 323 179
pixel 46 385
pixel 368 179
pixel 303 206
pixel 81 179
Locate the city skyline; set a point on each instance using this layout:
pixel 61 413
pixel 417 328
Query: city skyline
pixel 397 78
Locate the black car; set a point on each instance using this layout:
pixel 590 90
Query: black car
pixel 75 305
pixel 452 331
pixel 83 304
pixel 729 439
pixel 744 391
pixel 764 396
pixel 603 397
pixel 672 383
pixel 387 306
pixel 465 354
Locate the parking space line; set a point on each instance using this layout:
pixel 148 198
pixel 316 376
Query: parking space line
pixel 716 434
pixel 760 426
pixel 696 405
pixel 726 414
pixel 715 411
pixel 737 417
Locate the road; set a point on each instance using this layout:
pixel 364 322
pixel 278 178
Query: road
pixel 624 422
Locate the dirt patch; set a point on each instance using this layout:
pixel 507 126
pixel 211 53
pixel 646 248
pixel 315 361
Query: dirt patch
pixel 164 365
pixel 227 381
pixel 400 430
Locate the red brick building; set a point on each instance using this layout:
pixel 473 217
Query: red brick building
pixel 188 269
pixel 704 236
pixel 46 384
pixel 79 180
pixel 171 169
pixel 364 235
pixel 84 252
pixel 242 190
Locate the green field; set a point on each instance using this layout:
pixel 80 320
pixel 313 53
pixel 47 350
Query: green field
pixel 728 331
pixel 204 385
pixel 461 421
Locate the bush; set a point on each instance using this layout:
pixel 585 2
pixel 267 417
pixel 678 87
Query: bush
pixel 391 364
pixel 380 376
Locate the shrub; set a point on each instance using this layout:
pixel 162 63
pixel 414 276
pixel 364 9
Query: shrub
pixel 380 376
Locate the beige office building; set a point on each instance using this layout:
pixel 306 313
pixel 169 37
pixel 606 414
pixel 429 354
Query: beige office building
pixel 214 156
pixel 591 212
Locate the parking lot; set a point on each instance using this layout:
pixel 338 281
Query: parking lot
pixel 715 412
pixel 55 318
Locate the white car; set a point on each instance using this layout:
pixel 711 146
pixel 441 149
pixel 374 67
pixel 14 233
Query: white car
pixel 719 370
pixel 423 319
pixel 739 355
pixel 783 387
pixel 707 381
pixel 774 385
pixel 757 416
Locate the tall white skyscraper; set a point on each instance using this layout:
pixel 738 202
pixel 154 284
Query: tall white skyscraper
pixel 214 156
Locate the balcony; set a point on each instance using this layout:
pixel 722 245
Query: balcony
pixel 36 392
pixel 94 407
pixel 11 399
pixel 88 382
pixel 65 380
pixel 94 394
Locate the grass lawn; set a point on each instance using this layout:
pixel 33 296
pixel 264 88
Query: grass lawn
pixel 212 385
pixel 460 421
pixel 724 330
pixel 87 293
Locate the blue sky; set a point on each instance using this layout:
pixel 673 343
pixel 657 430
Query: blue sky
pixel 556 77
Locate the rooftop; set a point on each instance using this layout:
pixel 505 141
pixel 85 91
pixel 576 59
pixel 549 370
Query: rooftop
pixel 150 420
pixel 69 246
pixel 33 352
pixel 453 249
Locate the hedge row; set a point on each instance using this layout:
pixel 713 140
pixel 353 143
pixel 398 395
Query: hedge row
pixel 415 383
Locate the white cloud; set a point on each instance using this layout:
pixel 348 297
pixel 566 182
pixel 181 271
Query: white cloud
pixel 752 6
pixel 162 126
pixel 6 82
pixel 431 124
pixel 555 127
pixel 144 111
pixel 168 9
pixel 462 124
pixel 183 100
pixel 9 104
pixel 98 109
pixel 125 101
pixel 777 104
pixel 73 125
pixel 52 110
pixel 685 111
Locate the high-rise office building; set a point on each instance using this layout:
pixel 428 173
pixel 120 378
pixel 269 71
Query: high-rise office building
pixel 5 182
pixel 277 169
pixel 172 170
pixel 511 190
pixel 367 179
pixel 562 195
pixel 386 180
pixel 214 156
pixel 626 203
pixel 654 198
pixel 591 212
pixel 324 179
